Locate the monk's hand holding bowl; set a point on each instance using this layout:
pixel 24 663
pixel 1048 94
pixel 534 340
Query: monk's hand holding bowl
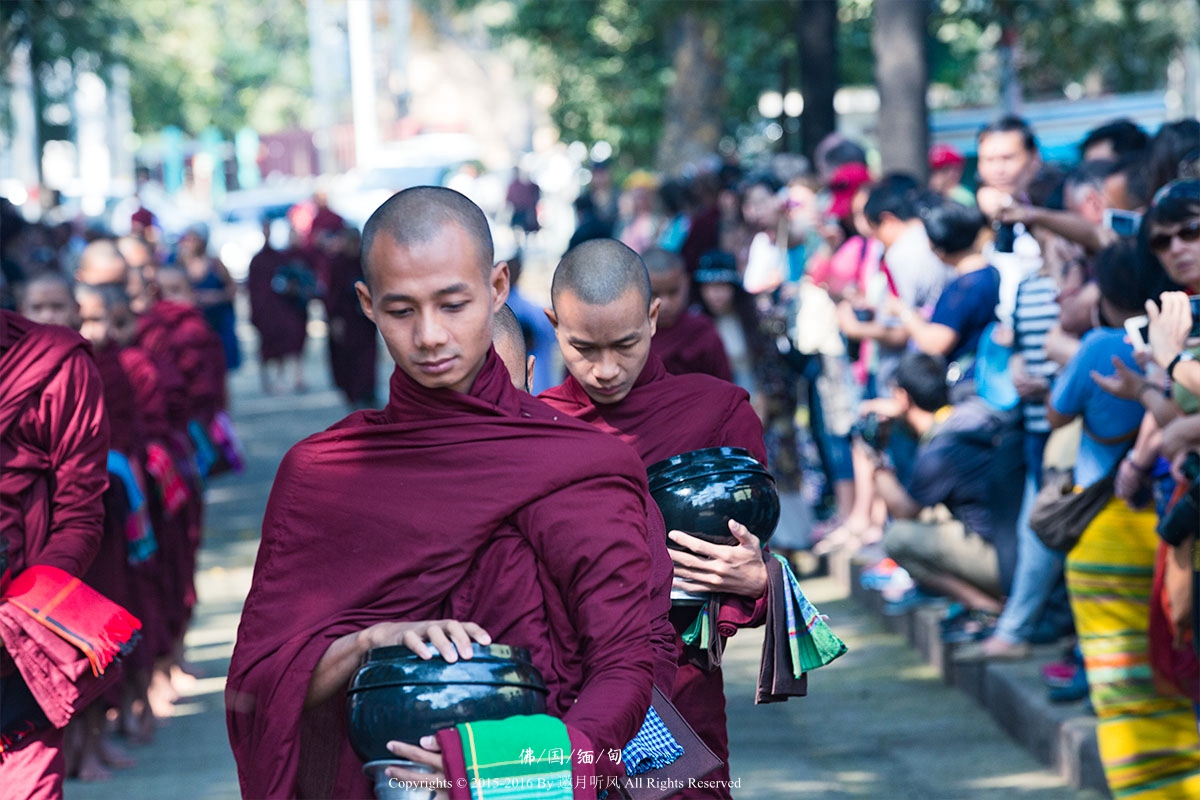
pixel 448 637
pixel 429 754
pixel 733 569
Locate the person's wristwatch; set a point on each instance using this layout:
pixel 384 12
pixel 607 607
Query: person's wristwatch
pixel 1184 355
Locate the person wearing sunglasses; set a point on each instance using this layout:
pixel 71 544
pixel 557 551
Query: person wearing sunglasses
pixel 1174 238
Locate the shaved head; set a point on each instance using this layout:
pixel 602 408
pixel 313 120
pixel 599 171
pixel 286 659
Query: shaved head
pixel 416 216
pixel 661 262
pixel 599 272
pixel 509 341
pixel 49 299
pixel 100 263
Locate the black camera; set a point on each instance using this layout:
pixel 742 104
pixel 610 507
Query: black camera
pixel 1183 520
pixel 1006 237
pixel 873 430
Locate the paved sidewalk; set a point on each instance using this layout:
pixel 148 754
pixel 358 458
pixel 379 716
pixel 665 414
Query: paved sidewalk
pixel 878 723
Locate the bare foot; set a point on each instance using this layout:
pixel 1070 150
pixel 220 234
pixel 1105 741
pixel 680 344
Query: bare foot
pixel 162 695
pixel 90 769
pixel 113 755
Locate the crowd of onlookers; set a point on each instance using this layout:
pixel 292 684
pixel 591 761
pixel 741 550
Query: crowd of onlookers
pixel 986 383
pixel 950 378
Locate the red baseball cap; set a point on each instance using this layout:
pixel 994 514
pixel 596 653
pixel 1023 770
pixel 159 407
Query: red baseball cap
pixel 843 183
pixel 944 155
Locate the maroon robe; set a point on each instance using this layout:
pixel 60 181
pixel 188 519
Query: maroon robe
pixel 109 573
pixel 53 452
pixel 353 340
pixel 380 517
pixel 692 344
pixel 665 415
pixel 282 322
pixel 178 334
pixel 151 596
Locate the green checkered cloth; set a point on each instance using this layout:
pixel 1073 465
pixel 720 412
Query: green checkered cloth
pixel 519 758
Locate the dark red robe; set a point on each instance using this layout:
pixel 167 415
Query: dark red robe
pixel 353 341
pixel 53 473
pixel 380 518
pixel 692 344
pixel 665 415
pixel 152 596
pixel 178 334
pixel 282 322
pixel 109 573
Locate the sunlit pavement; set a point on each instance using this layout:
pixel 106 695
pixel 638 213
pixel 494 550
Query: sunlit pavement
pixel 876 724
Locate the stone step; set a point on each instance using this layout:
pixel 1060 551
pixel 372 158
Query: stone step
pixel 1061 735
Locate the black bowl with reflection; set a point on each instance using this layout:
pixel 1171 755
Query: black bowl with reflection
pixel 700 491
pixel 397 695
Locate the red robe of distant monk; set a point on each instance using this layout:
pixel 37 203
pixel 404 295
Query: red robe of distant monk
pixel 380 517
pixel 152 381
pixel 353 339
pixel 281 321
pixel 109 573
pixel 178 334
pixel 53 456
pixel 692 344
pixel 662 416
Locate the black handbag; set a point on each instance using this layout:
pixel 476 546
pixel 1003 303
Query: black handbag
pixel 1062 511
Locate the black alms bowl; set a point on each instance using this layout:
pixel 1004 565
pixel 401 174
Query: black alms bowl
pixel 699 492
pixel 397 695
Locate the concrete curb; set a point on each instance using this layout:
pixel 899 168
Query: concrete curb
pixel 1062 736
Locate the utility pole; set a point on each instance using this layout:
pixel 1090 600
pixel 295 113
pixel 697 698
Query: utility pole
pixel 362 80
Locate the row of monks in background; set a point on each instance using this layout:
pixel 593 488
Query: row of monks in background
pixel 161 323
pixel 163 371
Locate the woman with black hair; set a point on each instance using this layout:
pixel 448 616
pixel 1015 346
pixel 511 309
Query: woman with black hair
pixel 967 305
pixel 1148 739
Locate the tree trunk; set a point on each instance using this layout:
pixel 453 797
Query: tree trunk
pixel 902 76
pixel 816 34
pixel 693 123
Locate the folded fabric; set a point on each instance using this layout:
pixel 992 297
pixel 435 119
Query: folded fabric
pixel 206 455
pixel 695 761
pixel 518 758
pixel 57 674
pixel 652 748
pixel 814 645
pixel 75 612
pixel 171 486
pixel 797 638
pixel 225 439
pixel 139 533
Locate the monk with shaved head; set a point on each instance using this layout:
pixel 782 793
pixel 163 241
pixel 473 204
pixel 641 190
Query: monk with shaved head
pixel 605 314
pixel 510 344
pixel 53 453
pixel 375 523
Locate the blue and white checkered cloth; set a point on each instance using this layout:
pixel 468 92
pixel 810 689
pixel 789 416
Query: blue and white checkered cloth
pixel 653 748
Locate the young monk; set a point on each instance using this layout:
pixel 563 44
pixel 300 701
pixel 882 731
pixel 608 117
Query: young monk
pixel 174 331
pixel 509 341
pixel 53 447
pixel 48 299
pixel 279 314
pixel 159 582
pixel 135 415
pixel 604 314
pixel 684 340
pixel 367 532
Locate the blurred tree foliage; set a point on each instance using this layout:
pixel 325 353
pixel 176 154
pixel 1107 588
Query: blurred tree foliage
pixel 227 63
pixel 610 60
